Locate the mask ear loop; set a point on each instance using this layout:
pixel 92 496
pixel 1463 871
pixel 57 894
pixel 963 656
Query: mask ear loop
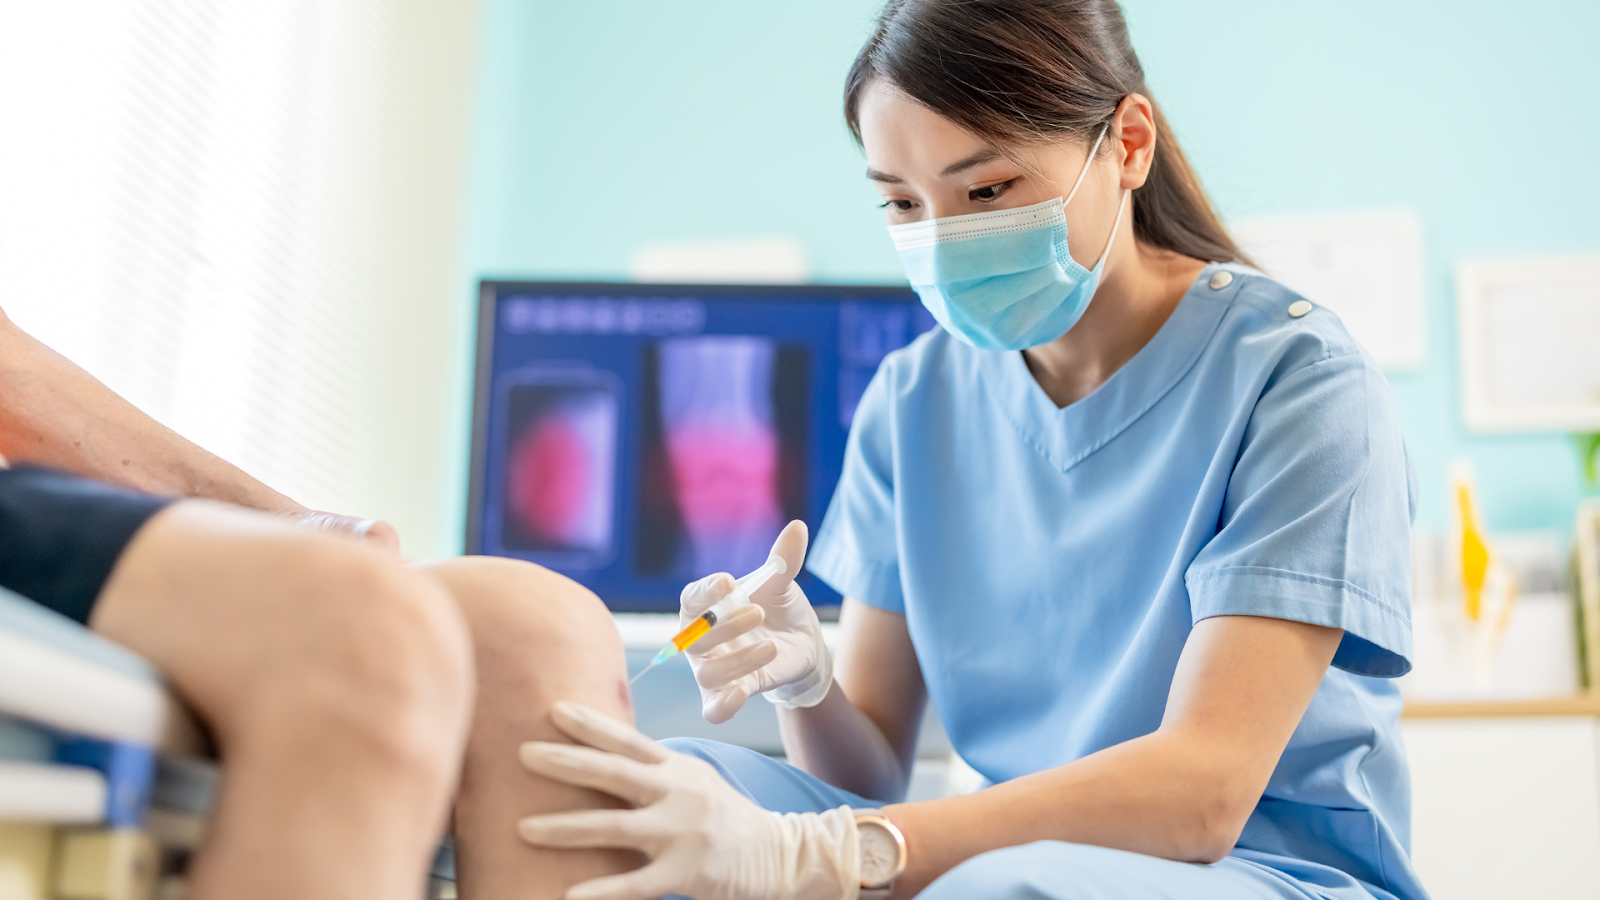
pixel 1121 205
pixel 1084 172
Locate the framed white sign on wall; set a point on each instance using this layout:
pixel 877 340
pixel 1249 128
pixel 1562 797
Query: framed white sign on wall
pixel 1530 343
pixel 1365 266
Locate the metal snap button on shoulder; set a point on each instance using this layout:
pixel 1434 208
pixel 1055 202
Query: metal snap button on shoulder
pixel 1220 280
pixel 1299 308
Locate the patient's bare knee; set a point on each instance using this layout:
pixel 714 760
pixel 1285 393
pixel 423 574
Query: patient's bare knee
pixel 529 622
pixel 390 674
pixel 538 638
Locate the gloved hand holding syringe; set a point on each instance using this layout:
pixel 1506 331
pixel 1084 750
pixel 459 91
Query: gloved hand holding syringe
pixel 775 648
pixel 719 611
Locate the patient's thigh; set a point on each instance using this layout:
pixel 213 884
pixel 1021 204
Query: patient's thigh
pixel 335 681
pixel 538 637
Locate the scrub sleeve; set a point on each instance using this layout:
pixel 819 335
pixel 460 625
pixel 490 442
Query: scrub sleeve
pixel 1318 429
pixel 60 536
pixel 855 551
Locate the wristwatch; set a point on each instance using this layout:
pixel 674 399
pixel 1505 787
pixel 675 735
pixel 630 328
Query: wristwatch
pixel 883 853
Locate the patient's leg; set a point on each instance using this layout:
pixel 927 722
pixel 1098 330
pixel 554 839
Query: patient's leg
pixel 538 638
pixel 336 681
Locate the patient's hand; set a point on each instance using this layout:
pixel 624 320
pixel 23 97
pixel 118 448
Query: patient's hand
pixel 374 531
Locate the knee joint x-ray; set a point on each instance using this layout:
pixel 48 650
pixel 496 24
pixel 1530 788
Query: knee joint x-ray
pixel 639 437
pixel 724 447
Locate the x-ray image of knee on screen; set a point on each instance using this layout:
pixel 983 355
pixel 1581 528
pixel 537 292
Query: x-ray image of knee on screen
pixel 558 487
pixel 723 452
pixel 637 437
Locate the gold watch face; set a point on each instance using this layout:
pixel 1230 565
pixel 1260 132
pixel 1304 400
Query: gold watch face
pixel 880 853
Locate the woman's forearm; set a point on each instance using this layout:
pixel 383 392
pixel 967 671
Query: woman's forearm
pixel 838 743
pixel 863 735
pixel 1162 795
pixel 1183 792
pixel 54 413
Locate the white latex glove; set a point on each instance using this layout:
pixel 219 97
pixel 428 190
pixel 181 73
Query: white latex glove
pixel 773 647
pixel 704 839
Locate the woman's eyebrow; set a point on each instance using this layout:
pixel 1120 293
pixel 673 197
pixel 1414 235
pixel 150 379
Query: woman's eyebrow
pixel 987 154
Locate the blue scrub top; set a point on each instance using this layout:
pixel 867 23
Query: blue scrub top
pixel 1051 562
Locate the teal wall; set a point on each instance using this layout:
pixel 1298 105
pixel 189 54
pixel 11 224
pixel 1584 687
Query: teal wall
pixel 601 125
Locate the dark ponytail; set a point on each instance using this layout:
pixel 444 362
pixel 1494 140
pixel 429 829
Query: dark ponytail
pixel 1023 71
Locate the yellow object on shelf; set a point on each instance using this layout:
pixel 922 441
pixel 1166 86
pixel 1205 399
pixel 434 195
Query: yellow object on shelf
pixel 1488 585
pixel 1474 553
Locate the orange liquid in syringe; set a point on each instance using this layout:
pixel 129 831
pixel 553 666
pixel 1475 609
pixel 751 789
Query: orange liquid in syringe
pixel 694 632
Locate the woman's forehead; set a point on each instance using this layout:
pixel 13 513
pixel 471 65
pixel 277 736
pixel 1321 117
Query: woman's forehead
pixel 903 137
pixel 896 130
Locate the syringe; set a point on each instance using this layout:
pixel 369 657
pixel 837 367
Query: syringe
pixel 737 599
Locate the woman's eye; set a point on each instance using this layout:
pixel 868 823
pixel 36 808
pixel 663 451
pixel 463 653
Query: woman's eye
pixel 989 192
pixel 896 205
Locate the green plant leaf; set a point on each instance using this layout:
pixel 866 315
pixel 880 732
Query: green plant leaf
pixel 1589 452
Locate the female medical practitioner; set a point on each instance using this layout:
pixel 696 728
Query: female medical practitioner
pixel 1135 519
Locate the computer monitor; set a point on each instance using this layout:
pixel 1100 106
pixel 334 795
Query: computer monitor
pixel 637 437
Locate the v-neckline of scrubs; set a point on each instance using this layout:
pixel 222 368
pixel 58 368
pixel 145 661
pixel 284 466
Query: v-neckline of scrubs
pixel 1068 435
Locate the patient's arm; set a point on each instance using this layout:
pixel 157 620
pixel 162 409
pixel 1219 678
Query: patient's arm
pixel 55 414
pixel 538 638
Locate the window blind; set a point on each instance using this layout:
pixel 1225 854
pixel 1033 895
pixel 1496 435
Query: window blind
pixel 195 199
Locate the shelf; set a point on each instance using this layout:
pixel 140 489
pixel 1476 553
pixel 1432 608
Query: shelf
pixel 1586 705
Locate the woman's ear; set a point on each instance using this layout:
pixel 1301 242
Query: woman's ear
pixel 1133 129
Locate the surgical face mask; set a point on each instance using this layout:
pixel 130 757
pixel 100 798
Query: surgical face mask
pixel 1002 280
